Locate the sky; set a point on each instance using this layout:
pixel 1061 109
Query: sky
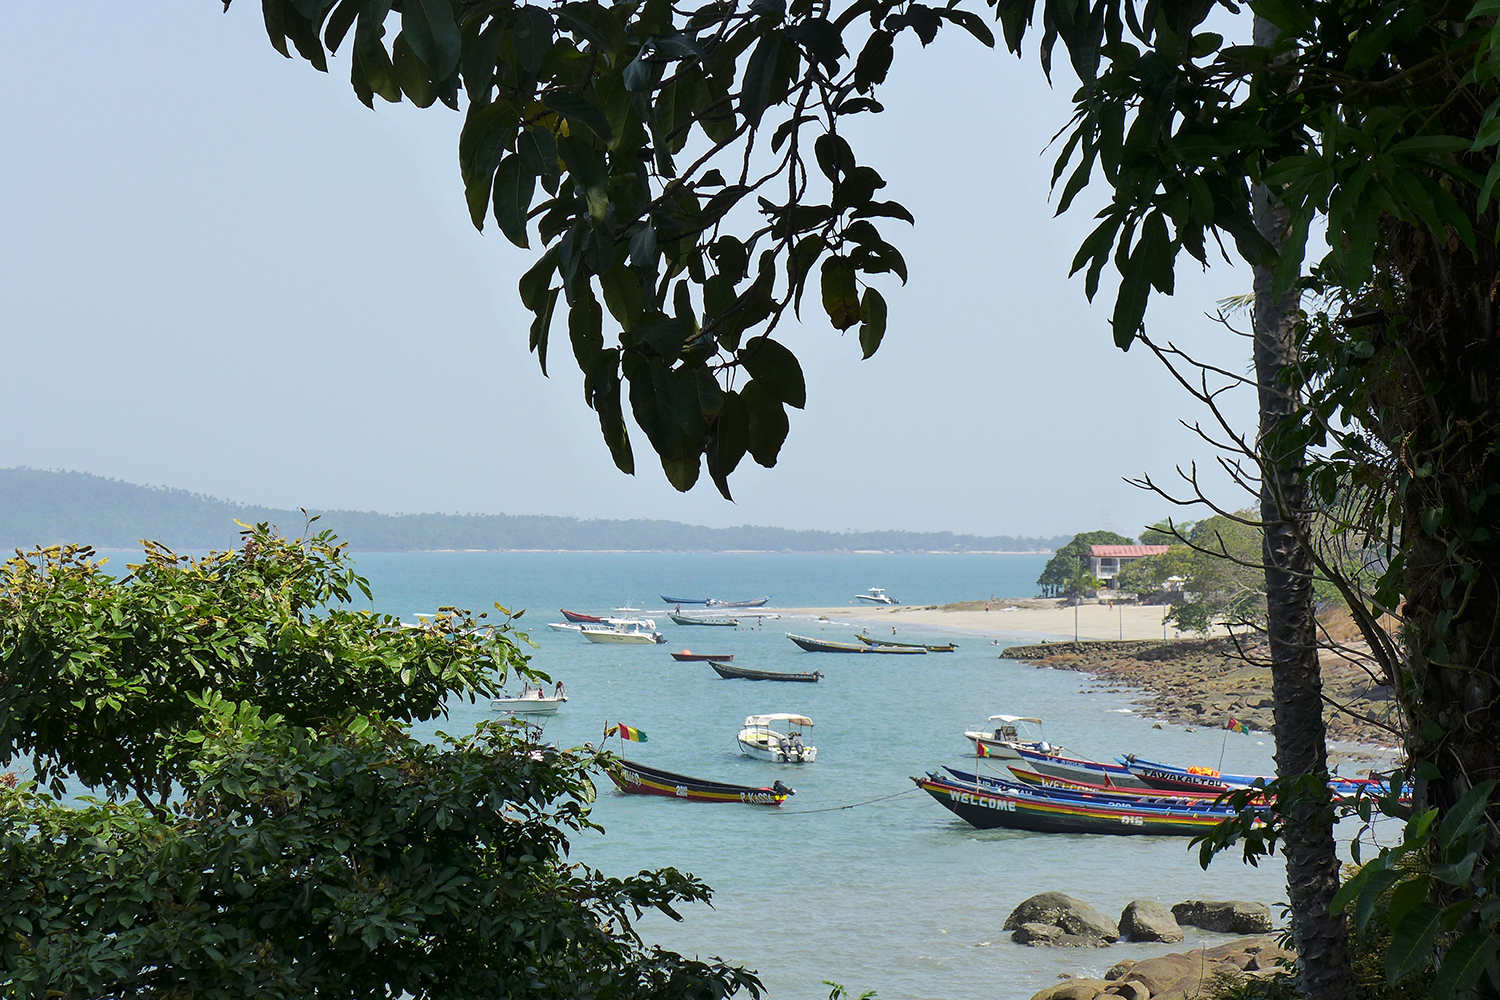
pixel 222 273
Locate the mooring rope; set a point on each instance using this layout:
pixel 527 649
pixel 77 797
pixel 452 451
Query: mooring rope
pixel 807 812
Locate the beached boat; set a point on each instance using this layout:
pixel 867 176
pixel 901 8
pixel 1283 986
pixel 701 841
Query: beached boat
pixel 710 620
pixel 532 701
pixel 876 596
pixel 638 779
pixel 988 803
pixel 688 656
pixel 730 673
pixel 946 647
pixel 683 600
pixel 578 616
pixel 826 646
pixel 761 738
pixel 1006 735
pixel 759 602
pixel 622 634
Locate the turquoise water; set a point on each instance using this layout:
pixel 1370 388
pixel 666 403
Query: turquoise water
pixel 897 895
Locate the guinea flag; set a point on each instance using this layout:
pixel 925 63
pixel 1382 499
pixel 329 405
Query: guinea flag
pixel 625 732
pixel 980 750
pixel 1238 727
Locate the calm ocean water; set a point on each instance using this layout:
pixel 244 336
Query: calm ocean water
pixel 897 895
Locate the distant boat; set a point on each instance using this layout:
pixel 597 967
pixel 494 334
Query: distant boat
pixel 704 620
pixel 683 600
pixel 760 738
pixel 638 779
pixel 688 656
pixel 575 616
pixel 731 673
pixel 565 627
pixel 946 647
pixel 876 596
pixel 532 701
pixel 633 634
pixel 759 602
pixel 824 646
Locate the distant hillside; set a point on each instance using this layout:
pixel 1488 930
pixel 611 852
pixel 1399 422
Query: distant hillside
pixel 46 508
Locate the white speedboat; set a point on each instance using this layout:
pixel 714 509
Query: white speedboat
pixel 876 596
pixel 1006 735
pixel 627 632
pixel 532 701
pixel 565 626
pixel 762 738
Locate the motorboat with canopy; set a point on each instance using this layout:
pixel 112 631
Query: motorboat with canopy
pixel 777 737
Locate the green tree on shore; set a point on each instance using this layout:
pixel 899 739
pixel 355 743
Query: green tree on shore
pixel 271 829
pixel 1063 565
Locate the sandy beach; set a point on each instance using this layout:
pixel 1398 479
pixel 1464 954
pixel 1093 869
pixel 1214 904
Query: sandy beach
pixel 1028 617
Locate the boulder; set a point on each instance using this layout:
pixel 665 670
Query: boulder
pixel 1053 936
pixel 1073 989
pixel 1164 972
pixel 1132 990
pixel 1148 920
pixel 1073 916
pixel 1118 970
pixel 1233 916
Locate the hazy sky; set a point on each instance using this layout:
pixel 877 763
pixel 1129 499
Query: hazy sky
pixel 222 273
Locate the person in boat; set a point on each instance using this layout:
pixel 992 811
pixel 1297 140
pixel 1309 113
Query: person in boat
pixel 559 691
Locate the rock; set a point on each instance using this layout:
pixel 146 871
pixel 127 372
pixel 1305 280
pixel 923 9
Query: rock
pixel 1119 969
pixel 1233 916
pixel 1148 920
pixel 1130 991
pixel 1036 934
pixel 1162 973
pixel 1073 916
pixel 1073 989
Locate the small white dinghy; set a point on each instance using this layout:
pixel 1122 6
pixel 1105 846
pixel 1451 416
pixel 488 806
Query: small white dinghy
pixel 532 701
pixel 762 738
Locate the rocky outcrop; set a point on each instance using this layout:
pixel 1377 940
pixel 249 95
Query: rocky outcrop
pixel 1057 919
pixel 1179 976
pixel 1148 920
pixel 1234 916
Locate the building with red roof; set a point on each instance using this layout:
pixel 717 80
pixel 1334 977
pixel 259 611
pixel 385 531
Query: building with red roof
pixel 1106 561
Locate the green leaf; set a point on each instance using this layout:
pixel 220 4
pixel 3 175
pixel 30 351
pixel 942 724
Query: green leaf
pixel 871 323
pixel 533 37
pixel 1466 814
pixel 488 130
pixel 776 368
pixel 874 61
pixel 840 293
pixel 1374 888
pixel 514 187
pixel 1407 897
pixel 412 74
pixel 1412 941
pixel 728 442
pixel 760 73
pixel 1355 884
pixel 766 426
pixel 606 401
pixel 1464 963
pixel 579 110
pixel 433 35
pixel 542 326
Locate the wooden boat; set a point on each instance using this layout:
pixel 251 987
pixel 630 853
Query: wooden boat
pixel 946 647
pixel 825 646
pixel 988 803
pixel 1060 765
pixel 745 673
pixel 683 600
pixel 688 656
pixel 1173 778
pixel 716 622
pixel 1038 780
pixel 759 602
pixel 638 779
pixel 577 616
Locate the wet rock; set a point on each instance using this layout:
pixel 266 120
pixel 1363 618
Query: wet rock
pixel 1148 920
pixel 1130 991
pixel 1073 989
pixel 1234 916
pixel 1072 916
pixel 1118 970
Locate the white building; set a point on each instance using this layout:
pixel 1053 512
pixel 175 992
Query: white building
pixel 1105 561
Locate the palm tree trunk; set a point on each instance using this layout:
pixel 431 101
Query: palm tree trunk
pixel 1312 865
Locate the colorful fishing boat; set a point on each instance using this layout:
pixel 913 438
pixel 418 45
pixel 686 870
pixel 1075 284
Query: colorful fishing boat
pixel 1185 779
pixel 744 673
pixel 990 803
pixel 716 621
pixel 826 646
pixel 688 656
pixel 946 647
pixel 638 779
pixel 578 616
pixel 1038 780
pixel 1057 764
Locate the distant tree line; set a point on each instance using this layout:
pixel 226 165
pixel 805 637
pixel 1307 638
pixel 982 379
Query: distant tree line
pixel 51 508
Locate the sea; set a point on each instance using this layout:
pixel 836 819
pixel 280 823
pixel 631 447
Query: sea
pixel 860 879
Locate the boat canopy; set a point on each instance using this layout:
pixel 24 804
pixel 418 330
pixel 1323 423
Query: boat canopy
pixel 766 720
pixel 1014 718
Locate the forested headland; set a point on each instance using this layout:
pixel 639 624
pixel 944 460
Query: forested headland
pixel 40 507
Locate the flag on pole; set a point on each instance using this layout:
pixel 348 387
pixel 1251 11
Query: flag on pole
pixel 980 750
pixel 1238 727
pixel 625 732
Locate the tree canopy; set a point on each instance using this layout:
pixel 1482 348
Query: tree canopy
pixel 1063 565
